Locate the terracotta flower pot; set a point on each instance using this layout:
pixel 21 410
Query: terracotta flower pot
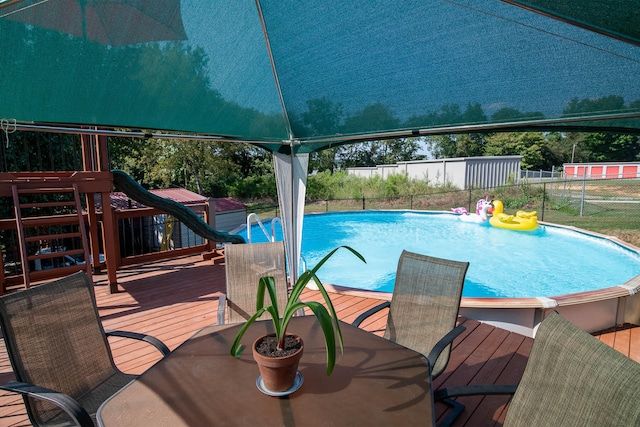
pixel 278 373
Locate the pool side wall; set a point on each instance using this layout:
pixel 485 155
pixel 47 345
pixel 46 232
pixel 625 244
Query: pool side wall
pixel 591 311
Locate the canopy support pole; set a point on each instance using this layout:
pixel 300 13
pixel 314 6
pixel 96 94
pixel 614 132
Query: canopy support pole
pixel 291 181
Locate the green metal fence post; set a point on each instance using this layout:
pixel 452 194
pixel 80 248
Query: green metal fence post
pixel 544 193
pixel 584 188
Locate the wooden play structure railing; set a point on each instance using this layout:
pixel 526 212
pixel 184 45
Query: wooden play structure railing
pixel 95 229
pixel 19 185
pixel 92 233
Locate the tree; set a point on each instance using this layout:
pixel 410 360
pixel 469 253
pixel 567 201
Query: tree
pixel 531 145
pixel 36 151
pixel 458 145
pixel 379 152
pixel 442 146
pixel 606 147
pixel 140 158
pixel 612 147
pixel 567 147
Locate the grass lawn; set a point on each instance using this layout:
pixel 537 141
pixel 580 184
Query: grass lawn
pixel 610 207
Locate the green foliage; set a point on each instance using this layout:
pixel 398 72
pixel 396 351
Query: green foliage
pixel 217 169
pixel 394 185
pixel 458 145
pixel 608 147
pixel 254 187
pixel 209 168
pixel 378 152
pixel 325 160
pixel 564 206
pixel 327 317
pixel 530 145
pixel 519 196
pixel 36 151
pixel 323 185
pixel 341 185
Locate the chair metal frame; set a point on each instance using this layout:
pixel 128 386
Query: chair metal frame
pixel 59 322
pixel 423 310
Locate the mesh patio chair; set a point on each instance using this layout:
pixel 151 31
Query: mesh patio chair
pixel 571 380
pixel 245 264
pixel 59 351
pixel 424 308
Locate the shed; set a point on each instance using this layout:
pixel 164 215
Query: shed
pixel 230 213
pixel 462 172
pixel 608 170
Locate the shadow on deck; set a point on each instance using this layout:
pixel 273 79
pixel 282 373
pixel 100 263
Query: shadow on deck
pixel 173 299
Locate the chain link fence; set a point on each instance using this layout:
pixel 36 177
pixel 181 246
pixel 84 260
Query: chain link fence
pixel 608 206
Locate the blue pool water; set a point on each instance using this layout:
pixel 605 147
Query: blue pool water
pixel 547 262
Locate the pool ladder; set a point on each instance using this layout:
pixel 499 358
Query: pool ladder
pixel 271 237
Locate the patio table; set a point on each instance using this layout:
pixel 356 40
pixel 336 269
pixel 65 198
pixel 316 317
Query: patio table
pixel 375 382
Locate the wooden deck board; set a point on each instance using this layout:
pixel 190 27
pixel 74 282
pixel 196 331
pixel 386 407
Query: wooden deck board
pixel 634 347
pixel 173 299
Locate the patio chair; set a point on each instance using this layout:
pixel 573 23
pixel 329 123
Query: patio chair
pixel 571 379
pixel 59 351
pixel 245 264
pixel 424 308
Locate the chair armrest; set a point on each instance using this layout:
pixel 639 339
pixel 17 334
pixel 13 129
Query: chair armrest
pixel 369 312
pixel 222 306
pixel 162 348
pixel 473 390
pixel 67 403
pixel 443 343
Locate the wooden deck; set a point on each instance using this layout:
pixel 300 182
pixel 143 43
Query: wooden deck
pixel 173 299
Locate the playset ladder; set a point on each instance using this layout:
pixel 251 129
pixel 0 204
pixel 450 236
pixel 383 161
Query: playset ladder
pixel 44 224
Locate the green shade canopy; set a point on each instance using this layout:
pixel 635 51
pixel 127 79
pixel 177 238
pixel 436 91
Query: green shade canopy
pixel 299 76
pixel 619 19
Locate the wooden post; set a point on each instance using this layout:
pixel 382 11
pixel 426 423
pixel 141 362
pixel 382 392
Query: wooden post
pixel 210 218
pixel 102 153
pixel 1 273
pixel 93 231
pixel 110 239
pixel 89 153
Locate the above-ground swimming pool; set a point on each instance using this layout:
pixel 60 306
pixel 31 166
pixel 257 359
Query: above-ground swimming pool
pixel 546 262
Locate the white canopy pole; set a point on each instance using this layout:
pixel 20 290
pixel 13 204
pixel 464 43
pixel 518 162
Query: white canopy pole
pixel 291 181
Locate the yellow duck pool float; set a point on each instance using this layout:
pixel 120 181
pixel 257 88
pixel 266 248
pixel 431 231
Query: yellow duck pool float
pixel 520 221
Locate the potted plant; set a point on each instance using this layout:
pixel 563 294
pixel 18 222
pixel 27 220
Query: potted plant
pixel 278 362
